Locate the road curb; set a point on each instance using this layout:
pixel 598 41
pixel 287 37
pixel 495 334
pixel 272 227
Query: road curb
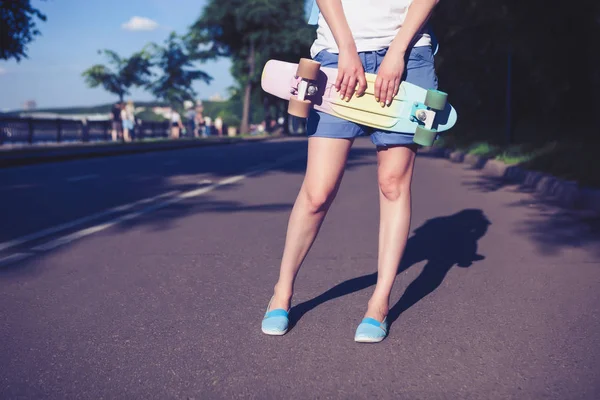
pixel 29 156
pixel 566 194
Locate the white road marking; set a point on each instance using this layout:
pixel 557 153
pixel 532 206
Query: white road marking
pixel 79 221
pixel 13 258
pixel 172 198
pixel 82 178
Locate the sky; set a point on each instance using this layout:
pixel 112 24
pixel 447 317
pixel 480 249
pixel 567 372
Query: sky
pixel 72 35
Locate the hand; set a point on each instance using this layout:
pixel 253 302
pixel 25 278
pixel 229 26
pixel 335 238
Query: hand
pixel 350 72
pixel 388 78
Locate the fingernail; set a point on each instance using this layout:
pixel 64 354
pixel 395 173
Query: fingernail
pixel 377 99
pixel 347 99
pixel 382 104
pixel 387 103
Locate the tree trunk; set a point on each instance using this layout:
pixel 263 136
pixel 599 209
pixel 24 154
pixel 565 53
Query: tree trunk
pixel 248 92
pixel 267 113
pixel 245 128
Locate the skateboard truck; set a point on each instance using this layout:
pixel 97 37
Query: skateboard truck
pixel 303 84
pixel 312 89
pixel 424 114
pixel 421 113
pixel 302 88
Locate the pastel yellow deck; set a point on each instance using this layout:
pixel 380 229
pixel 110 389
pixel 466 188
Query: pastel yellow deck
pixel 365 110
pixel 279 79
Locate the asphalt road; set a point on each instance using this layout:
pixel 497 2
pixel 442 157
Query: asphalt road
pixel 156 291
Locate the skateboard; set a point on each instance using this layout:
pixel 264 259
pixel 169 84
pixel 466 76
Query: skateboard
pixel 307 85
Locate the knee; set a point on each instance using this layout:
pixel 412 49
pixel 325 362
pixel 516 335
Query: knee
pixel 318 200
pixel 394 186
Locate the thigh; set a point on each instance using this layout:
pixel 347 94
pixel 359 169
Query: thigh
pixel 396 163
pixel 325 166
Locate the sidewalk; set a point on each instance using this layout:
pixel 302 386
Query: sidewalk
pixel 16 155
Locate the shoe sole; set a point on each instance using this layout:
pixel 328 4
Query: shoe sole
pixel 274 333
pixel 368 340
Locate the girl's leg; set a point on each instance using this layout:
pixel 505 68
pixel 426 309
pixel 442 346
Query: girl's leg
pixel 394 172
pixel 325 167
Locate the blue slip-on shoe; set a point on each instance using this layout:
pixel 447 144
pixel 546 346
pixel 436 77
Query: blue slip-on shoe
pixel 371 331
pixel 275 322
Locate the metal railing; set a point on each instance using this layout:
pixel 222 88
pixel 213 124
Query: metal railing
pixel 17 130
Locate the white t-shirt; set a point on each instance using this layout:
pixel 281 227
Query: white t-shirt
pixel 374 25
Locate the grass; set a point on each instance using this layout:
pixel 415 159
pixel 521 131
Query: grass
pixel 565 156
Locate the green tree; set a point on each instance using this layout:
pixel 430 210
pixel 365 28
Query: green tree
pixel 553 66
pixel 125 74
pixel 178 71
pixel 17 28
pixel 250 32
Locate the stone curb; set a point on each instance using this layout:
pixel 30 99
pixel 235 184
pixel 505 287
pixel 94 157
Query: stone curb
pixel 566 194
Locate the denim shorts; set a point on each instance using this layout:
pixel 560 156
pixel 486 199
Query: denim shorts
pixel 419 70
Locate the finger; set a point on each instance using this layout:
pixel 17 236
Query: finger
pixel 396 86
pixel 343 86
pixel 350 89
pixel 362 84
pixel 390 93
pixel 339 80
pixel 384 88
pixel 377 93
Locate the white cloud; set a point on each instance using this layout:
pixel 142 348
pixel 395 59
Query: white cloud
pixel 3 71
pixel 140 24
pixel 216 97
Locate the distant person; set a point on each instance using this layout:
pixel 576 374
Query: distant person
pixel 390 39
pixel 208 125
pixel 190 119
pixel 176 124
pixel 219 126
pixel 128 118
pixel 199 121
pixel 116 122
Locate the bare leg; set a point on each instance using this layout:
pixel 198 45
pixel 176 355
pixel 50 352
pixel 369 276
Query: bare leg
pixel 325 168
pixel 395 169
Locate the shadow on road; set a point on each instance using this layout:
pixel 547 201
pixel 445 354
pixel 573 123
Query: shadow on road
pixel 551 226
pixel 48 198
pixel 443 241
pixel 46 195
